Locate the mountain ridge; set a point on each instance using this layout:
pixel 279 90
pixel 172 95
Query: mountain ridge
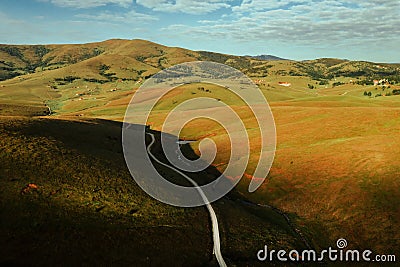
pixel 267 57
pixel 145 58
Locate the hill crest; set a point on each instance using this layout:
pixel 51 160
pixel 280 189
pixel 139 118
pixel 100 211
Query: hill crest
pixel 143 58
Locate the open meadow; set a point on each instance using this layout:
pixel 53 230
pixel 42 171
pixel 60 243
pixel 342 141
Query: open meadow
pixel 335 174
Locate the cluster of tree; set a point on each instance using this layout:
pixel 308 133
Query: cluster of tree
pixel 241 63
pixel 294 73
pixel 67 79
pixel 367 93
pixel 7 71
pixel 282 73
pixel 394 79
pixel 30 67
pixel 394 92
pixel 365 82
pixel 352 74
pixel 161 62
pixel 323 82
pixel 108 75
pixel 128 79
pixel 5 74
pixel 203 89
pixel 365 69
pixel 12 51
pixel 140 58
pixel 161 53
pixel 94 80
pixel 314 71
pixel 258 71
pixel 83 54
pixel 41 51
pixel 337 84
pixel 215 57
pixel 103 68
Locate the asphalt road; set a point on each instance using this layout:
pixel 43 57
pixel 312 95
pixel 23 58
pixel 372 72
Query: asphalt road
pixel 213 216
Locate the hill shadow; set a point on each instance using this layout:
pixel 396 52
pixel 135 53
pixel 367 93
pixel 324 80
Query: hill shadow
pixel 87 210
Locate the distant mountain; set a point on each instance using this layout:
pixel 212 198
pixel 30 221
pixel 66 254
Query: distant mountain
pixel 328 62
pixel 108 60
pixel 267 57
pixel 136 60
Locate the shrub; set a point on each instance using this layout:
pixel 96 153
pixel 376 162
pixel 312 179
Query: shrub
pixel 323 82
pixel 337 84
pixel 65 80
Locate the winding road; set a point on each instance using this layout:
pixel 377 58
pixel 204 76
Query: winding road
pixel 213 216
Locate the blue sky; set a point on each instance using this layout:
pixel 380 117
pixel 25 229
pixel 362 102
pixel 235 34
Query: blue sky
pixel 295 29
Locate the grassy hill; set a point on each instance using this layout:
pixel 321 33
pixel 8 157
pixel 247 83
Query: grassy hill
pixel 335 171
pixel 85 209
pixel 336 159
pixel 144 57
pixel 140 55
pixel 103 74
pixel 267 57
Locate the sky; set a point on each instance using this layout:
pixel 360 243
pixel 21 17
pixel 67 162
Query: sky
pixel 293 29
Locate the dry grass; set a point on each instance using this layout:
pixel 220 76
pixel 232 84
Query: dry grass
pixel 336 164
pixel 83 206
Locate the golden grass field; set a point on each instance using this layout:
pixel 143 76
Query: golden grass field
pixel 84 207
pixel 335 165
pixel 335 172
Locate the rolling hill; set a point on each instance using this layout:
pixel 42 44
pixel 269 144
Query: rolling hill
pixel 55 75
pixel 267 57
pixel 145 58
pixel 335 172
pixel 68 199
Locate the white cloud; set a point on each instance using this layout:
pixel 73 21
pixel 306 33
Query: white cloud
pixel 88 3
pixel 308 21
pixel 185 6
pixel 17 31
pixel 258 5
pixel 128 17
pixel 328 25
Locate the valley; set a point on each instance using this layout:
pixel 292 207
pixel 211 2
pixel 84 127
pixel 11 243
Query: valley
pixel 335 171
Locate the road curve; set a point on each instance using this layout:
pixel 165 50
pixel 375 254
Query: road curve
pixel 213 216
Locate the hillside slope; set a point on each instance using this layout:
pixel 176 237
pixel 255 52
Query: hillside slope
pixel 335 169
pixel 68 199
pixel 146 57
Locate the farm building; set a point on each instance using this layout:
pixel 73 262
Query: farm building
pixel 287 84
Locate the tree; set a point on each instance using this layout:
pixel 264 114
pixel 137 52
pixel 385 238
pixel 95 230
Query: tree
pixel 323 82
pixel 396 92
